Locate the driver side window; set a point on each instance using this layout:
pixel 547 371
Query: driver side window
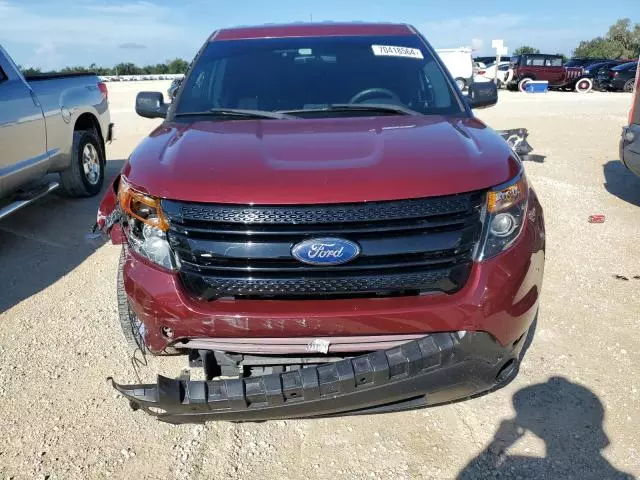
pixel 204 87
pixel 438 95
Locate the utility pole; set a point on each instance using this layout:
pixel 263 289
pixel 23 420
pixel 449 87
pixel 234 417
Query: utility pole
pixel 500 50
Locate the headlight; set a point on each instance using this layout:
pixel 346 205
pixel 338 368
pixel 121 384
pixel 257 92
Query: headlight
pixel 146 225
pixel 504 216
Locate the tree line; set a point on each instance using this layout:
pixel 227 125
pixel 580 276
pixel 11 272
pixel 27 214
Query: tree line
pixel 622 41
pixel 174 66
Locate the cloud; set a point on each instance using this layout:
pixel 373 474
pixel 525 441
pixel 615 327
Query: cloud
pixel 134 8
pixel 132 46
pixel 478 31
pixel 477 44
pixel 86 32
pixel 477 23
pixel 46 48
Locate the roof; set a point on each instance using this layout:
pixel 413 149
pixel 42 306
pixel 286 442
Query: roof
pixel 312 30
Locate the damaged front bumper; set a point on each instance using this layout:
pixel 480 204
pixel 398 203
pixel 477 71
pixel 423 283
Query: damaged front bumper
pixel 517 140
pixel 435 369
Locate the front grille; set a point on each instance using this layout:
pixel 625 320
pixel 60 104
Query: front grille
pixel 407 247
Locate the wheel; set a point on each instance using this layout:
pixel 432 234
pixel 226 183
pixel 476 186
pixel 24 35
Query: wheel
pixel 132 328
pixel 522 84
pixel 628 86
pixel 360 97
pixel 584 85
pixel 85 175
pixel 461 83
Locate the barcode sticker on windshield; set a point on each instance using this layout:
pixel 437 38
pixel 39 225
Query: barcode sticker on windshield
pixel 390 51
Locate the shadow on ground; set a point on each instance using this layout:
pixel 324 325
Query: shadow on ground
pixel 568 418
pixel 44 241
pixel 621 182
pixel 533 157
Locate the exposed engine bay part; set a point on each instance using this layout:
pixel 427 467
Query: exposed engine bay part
pixel 516 138
pixel 298 345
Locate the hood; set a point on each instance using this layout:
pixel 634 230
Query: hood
pixel 320 160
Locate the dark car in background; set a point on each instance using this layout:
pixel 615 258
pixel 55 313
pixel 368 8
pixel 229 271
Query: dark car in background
pixel 619 78
pixel 583 62
pixel 595 68
pixel 486 60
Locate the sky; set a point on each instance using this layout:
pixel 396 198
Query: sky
pixel 51 34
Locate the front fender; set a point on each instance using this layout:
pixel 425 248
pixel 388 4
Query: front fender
pixel 108 216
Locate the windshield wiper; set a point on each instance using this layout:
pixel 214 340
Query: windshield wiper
pixel 235 112
pixel 357 107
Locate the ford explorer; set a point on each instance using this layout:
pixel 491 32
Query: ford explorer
pixel 323 225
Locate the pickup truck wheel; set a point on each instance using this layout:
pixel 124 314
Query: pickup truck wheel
pixel 522 84
pixel 85 175
pixel 584 85
pixel 628 87
pixel 132 328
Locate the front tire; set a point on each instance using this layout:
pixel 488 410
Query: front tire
pixel 522 84
pixel 584 85
pixel 132 328
pixel 461 83
pixel 628 86
pixel 85 175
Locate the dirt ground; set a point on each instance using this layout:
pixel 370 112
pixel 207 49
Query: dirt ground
pixel 573 412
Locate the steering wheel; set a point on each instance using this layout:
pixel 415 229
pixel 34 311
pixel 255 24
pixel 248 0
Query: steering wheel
pixel 364 94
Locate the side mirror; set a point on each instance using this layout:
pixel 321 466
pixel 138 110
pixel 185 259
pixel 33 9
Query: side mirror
pixel 482 95
pixel 151 105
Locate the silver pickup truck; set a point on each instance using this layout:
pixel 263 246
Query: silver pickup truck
pixel 50 124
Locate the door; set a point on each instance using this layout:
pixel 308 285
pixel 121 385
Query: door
pixel 23 156
pixel 546 68
pixel 554 70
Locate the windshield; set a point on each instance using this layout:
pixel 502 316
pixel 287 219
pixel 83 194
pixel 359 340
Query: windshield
pixel 311 74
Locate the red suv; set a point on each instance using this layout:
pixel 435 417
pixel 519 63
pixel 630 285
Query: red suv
pixel 322 224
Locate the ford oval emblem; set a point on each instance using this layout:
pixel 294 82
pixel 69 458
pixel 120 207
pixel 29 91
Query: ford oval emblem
pixel 325 251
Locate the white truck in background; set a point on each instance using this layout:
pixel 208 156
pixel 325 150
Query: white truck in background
pixel 459 62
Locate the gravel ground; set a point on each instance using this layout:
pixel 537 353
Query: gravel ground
pixel 573 412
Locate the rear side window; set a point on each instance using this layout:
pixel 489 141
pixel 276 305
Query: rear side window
pixel 535 61
pixel 3 77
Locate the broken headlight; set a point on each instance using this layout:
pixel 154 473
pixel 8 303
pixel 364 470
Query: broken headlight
pixel 145 225
pixel 503 217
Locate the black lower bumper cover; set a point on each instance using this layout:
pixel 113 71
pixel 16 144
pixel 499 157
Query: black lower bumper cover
pixel 435 369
